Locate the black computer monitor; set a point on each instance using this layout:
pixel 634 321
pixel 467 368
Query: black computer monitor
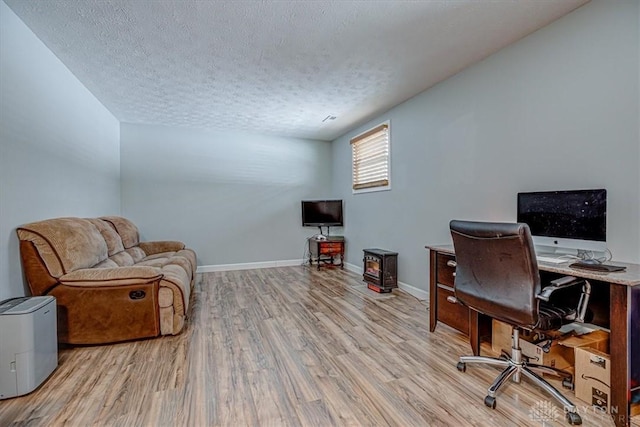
pixel 574 219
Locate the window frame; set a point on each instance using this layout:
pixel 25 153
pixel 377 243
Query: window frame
pixel 386 124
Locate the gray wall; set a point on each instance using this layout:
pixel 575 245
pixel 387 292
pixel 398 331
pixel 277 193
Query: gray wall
pixel 233 197
pixel 557 110
pixel 59 147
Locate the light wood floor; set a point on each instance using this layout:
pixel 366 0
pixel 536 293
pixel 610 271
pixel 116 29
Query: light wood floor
pixel 283 347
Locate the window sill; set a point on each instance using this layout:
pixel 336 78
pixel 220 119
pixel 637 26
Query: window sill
pixel 372 189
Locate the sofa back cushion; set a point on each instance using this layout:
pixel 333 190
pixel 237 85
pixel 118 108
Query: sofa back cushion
pixel 126 229
pixel 111 237
pixel 65 244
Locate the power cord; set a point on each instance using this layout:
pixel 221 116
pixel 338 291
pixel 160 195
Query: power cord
pixel 590 255
pixel 306 253
pixel 570 257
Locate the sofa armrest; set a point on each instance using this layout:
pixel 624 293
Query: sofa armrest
pixel 103 305
pixel 96 277
pixel 151 248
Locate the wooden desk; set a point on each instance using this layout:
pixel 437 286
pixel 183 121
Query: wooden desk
pixel 325 251
pixel 624 319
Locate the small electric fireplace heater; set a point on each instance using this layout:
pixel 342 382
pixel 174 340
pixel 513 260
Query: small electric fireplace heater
pixel 380 270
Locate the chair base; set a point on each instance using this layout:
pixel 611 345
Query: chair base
pixel 514 368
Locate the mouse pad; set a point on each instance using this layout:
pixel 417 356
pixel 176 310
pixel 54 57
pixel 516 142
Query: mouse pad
pixel 598 267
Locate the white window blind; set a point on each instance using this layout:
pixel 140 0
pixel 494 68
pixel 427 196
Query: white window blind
pixel 370 156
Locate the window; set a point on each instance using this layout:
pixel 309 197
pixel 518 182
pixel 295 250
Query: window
pixel 370 157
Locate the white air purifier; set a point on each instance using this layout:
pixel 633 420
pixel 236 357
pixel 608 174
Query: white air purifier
pixel 28 344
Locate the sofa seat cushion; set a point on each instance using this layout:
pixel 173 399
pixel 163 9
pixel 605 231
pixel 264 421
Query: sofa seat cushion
pixel 190 255
pixel 178 274
pixel 185 258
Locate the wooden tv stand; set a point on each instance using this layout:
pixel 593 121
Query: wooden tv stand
pixel 324 252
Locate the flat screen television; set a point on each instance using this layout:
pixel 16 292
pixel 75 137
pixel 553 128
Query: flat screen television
pixel 322 213
pixel 566 219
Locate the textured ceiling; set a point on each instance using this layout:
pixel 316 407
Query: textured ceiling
pixel 277 67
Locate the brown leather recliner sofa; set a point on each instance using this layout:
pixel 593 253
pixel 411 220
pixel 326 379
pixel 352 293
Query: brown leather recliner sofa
pixel 109 286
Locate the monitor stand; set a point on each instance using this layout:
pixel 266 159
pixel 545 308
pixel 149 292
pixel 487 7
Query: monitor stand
pixel 321 236
pixel 554 255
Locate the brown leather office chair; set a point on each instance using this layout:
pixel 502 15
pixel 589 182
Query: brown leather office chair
pixel 497 275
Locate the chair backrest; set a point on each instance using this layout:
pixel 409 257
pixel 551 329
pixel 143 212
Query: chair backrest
pixel 497 272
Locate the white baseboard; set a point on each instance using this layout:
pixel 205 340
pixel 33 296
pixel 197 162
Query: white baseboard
pixel 410 289
pixel 421 294
pixel 248 265
pixel 353 268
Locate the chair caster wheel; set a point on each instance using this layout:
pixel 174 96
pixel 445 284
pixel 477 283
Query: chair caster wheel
pixel 574 418
pixel 568 383
pixel 462 367
pixel 491 402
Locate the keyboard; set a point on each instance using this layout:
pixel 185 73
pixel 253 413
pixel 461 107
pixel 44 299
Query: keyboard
pixel 551 259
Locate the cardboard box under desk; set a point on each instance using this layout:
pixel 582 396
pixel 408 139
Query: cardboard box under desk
pixel 561 352
pixel 557 356
pixel 593 378
pixel 598 340
pixel 501 336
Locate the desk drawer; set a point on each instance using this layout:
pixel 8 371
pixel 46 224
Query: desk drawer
pixel 454 315
pixel 330 248
pixel 446 269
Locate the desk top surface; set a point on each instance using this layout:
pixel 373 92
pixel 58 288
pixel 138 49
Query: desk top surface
pixel 629 277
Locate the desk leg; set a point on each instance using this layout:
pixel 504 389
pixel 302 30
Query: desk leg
pixel 433 289
pixel 474 332
pixel 619 346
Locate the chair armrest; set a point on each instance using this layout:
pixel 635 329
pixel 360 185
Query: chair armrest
pixel 561 283
pixel 151 248
pixel 97 277
pixel 565 282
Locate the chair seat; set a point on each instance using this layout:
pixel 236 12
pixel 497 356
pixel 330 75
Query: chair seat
pixel 551 317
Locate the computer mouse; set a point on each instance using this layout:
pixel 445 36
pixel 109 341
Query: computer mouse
pixel 590 261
